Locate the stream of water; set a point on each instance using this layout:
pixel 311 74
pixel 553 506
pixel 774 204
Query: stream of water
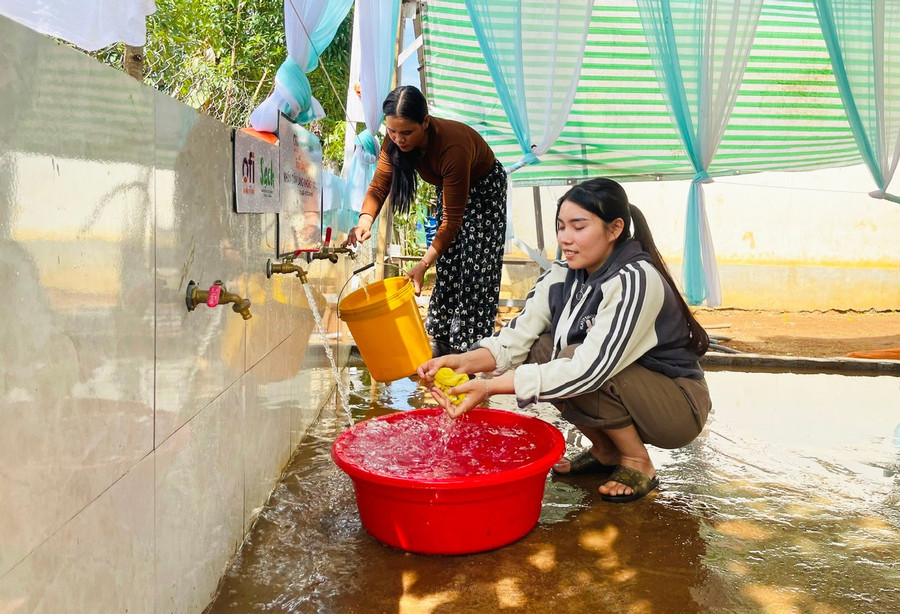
pixel 326 344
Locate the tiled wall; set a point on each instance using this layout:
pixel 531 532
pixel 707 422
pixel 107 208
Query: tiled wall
pixel 137 439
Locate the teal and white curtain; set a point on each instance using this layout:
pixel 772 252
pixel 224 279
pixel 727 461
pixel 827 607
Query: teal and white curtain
pixel 699 52
pixel 310 26
pixel 862 40
pixel 533 50
pixel 359 171
pixel 333 187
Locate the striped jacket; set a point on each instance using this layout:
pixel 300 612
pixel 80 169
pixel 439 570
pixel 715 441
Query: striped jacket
pixel 623 313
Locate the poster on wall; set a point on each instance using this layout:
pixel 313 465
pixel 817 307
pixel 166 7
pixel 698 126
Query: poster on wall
pixel 256 171
pixel 300 220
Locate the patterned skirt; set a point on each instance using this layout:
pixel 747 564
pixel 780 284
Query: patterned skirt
pixel 463 304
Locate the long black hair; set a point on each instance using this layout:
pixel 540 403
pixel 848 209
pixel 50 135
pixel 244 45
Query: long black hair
pixel 409 103
pixel 607 200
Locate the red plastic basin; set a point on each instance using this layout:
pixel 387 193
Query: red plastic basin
pixel 459 514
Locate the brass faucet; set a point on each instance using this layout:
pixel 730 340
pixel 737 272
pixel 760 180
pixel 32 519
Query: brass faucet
pixel 285 266
pixel 216 295
pixel 331 253
pixel 326 252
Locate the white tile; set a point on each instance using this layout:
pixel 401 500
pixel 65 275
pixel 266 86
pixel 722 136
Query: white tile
pixel 200 239
pixel 100 561
pixel 76 264
pixel 199 504
pixel 267 446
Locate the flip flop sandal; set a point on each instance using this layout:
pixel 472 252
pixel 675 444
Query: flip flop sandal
pixel 585 464
pixel 640 484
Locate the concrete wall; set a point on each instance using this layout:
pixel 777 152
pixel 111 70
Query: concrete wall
pixel 137 440
pixel 796 241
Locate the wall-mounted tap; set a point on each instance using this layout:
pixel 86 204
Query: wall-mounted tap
pixel 331 253
pixel 285 266
pixel 216 295
pixel 326 252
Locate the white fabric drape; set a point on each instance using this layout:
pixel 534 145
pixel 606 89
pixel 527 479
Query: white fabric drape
pixel 309 28
pixel 89 24
pixel 378 22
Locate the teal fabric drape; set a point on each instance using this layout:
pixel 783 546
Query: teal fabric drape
pixel 361 169
pixel 310 26
pixel 333 212
pixel 296 92
pixel 533 50
pixel 862 40
pixel 699 52
pixel 377 23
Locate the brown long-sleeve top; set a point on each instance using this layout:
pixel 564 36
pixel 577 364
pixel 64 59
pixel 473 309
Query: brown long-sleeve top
pixel 455 157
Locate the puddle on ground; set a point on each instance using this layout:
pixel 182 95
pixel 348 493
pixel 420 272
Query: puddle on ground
pixel 789 501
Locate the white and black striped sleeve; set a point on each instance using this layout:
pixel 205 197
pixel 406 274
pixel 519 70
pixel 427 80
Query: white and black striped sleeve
pixel 623 330
pixel 510 346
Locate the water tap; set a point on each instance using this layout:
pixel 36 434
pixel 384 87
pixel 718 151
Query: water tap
pixel 216 295
pixel 326 252
pixel 285 266
pixel 331 253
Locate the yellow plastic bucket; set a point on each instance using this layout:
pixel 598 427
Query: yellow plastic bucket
pixel 385 323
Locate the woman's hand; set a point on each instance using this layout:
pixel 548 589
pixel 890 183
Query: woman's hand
pixel 477 393
pixel 357 234
pixel 428 369
pixel 361 232
pixel 416 274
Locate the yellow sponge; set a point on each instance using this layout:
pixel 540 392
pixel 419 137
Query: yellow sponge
pixel 446 378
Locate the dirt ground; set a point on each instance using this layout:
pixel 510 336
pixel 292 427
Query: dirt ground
pixel 814 334
pixel 811 334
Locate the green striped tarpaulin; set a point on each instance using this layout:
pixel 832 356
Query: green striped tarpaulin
pixel 788 115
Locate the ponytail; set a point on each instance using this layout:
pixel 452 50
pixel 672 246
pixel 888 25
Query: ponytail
pixel 699 343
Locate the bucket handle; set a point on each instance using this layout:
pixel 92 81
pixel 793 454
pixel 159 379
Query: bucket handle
pixel 354 274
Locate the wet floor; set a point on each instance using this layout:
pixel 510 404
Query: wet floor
pixel 788 502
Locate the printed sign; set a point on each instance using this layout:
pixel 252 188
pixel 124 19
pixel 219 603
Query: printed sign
pixel 301 187
pixel 256 172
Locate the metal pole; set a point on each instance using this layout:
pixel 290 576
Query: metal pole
pixel 420 52
pixel 538 220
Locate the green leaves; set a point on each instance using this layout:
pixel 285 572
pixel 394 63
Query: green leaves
pixel 221 56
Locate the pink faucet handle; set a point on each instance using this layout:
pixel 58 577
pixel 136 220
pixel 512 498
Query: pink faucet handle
pixel 215 291
pixel 327 236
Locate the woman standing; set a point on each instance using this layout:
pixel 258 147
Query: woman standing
pixel 467 248
pixel 613 344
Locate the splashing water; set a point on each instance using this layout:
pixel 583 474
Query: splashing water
pixel 320 327
pixel 425 447
pixel 447 427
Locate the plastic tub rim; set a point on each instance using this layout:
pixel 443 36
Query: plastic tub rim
pixel 531 468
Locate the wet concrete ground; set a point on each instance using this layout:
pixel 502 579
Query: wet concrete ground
pixel 788 502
